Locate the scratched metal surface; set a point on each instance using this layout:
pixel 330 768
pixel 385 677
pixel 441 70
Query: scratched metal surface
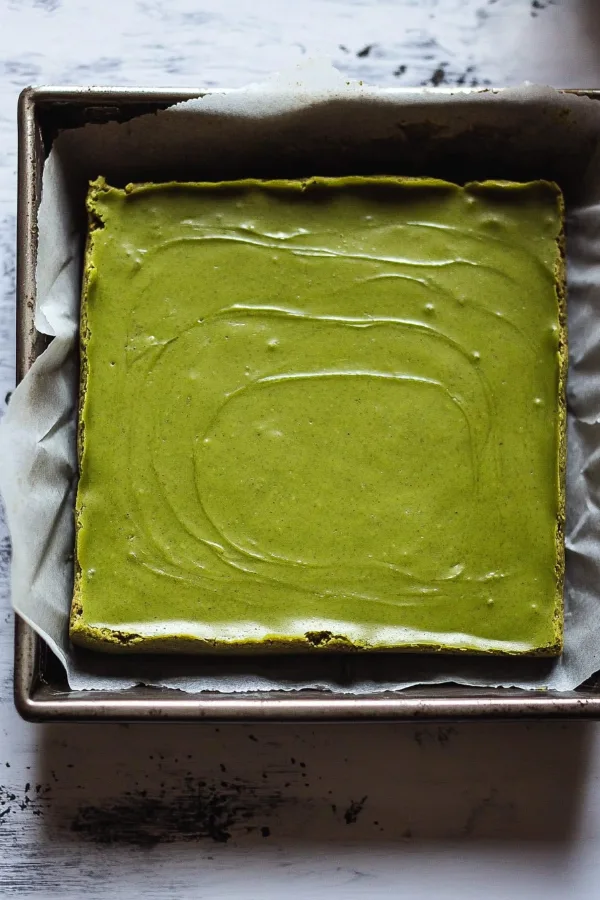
pixel 239 812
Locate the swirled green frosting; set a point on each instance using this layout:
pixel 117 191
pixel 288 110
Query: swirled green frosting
pixel 323 413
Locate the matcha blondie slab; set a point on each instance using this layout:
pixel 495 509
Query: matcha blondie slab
pixel 322 414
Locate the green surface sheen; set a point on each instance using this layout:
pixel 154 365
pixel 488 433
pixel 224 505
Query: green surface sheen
pixel 326 407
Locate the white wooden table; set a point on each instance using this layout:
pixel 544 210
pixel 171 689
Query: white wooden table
pixel 494 811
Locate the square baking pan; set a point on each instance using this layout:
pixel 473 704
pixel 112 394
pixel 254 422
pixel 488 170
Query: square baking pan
pixel 41 689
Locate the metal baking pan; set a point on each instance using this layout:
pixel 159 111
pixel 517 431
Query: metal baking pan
pixel 41 691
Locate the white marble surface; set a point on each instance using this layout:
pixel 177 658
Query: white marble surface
pixel 503 810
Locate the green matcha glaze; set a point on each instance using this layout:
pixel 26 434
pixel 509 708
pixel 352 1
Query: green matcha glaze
pixel 323 413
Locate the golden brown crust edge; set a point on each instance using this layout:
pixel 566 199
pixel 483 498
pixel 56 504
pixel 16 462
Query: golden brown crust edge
pixel 560 281
pixel 77 629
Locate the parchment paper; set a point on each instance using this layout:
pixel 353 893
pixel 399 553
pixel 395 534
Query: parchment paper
pixel 309 122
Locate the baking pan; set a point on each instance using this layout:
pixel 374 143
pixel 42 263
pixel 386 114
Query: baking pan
pixel 41 690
